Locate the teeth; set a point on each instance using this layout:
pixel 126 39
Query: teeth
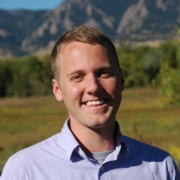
pixel 99 102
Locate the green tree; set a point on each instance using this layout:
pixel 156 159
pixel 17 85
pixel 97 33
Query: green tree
pixel 150 59
pixel 27 77
pixel 169 86
pixel 132 66
pixel 5 77
pixel 47 73
pixel 169 76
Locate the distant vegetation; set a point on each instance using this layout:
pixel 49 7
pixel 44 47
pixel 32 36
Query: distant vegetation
pixel 25 76
pixel 142 65
pixel 158 67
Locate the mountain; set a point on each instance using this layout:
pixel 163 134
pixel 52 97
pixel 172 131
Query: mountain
pixel 23 31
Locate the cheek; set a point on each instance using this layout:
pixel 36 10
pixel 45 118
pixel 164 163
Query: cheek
pixel 71 93
pixel 111 87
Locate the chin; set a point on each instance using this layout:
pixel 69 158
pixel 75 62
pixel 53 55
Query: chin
pixel 103 124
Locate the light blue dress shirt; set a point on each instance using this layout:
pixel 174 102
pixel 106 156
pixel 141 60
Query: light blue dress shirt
pixel 61 158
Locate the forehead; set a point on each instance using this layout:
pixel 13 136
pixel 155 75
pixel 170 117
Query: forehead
pixel 84 53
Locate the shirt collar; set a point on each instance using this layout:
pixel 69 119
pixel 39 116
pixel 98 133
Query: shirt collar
pixel 69 142
pixel 71 145
pixel 120 148
pixel 120 139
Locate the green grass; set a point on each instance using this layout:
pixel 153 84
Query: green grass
pixel 141 108
pixel 25 121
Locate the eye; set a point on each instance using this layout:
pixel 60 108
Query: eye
pixel 77 77
pixel 105 74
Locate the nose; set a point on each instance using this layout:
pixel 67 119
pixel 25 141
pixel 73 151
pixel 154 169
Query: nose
pixel 93 85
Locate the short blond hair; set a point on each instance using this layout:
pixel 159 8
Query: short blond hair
pixel 84 34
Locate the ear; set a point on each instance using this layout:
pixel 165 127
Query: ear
pixel 56 90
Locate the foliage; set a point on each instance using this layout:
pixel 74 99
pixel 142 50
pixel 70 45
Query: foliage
pixel 169 76
pixel 132 67
pixel 5 77
pixel 24 77
pixel 158 67
pixel 140 65
pixel 170 86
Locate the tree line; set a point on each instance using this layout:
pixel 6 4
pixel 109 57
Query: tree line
pixel 142 66
pixel 158 67
pixel 25 76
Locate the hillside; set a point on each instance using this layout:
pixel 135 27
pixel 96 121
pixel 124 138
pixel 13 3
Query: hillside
pixel 23 31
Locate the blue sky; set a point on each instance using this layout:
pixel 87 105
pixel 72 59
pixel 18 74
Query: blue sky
pixel 29 4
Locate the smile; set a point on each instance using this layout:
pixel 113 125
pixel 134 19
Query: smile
pixel 97 102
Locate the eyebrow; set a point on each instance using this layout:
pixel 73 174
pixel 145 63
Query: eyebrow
pixel 74 72
pixel 105 68
pixel 82 71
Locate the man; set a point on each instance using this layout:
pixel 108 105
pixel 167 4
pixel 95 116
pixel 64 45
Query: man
pixel 88 78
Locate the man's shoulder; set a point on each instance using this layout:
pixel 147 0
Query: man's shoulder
pixel 150 157
pixel 144 150
pixel 43 147
pixel 31 160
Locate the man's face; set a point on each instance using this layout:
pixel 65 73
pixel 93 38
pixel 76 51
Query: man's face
pixel 89 84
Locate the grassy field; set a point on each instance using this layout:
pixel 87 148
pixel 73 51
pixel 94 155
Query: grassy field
pixel 25 121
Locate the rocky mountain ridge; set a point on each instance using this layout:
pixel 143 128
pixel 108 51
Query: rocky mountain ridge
pixel 25 31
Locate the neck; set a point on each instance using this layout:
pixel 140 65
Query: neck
pixel 94 140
